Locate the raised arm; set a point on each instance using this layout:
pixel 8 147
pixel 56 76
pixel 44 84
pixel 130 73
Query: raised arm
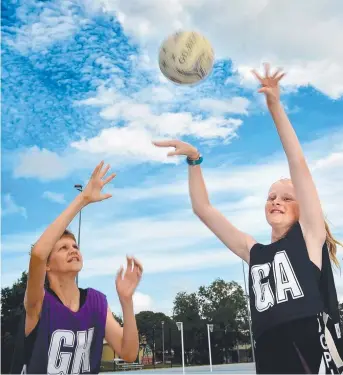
pixel 311 215
pixel 237 241
pixel 124 340
pixel 41 250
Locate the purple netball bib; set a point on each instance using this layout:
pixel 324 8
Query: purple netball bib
pixel 70 342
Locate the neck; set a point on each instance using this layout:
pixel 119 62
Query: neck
pixel 279 232
pixel 65 287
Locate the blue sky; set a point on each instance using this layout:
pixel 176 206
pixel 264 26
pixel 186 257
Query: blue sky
pixel 81 84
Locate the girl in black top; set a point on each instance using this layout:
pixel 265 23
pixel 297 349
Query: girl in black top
pixel 293 299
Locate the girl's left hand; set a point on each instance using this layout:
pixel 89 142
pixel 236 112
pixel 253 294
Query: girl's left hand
pixel 270 84
pixel 126 283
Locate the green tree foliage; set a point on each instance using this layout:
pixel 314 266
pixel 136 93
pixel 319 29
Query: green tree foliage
pixel 222 304
pixel 12 299
pixel 150 328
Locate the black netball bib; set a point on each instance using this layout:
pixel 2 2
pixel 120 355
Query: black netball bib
pixel 283 284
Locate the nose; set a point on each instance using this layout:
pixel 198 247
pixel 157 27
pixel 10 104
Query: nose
pixel 73 252
pixel 276 202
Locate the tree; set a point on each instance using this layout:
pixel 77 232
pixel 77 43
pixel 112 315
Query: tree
pixel 224 305
pixel 12 299
pixel 118 318
pixel 149 325
pixel 187 310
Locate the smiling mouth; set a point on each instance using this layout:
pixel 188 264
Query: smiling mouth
pixel 74 259
pixel 276 212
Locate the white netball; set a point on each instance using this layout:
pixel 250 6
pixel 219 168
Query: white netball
pixel 186 57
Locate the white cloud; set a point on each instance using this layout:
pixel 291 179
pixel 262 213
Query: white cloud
pixel 166 262
pixel 235 105
pixel 141 121
pixel 51 24
pixel 142 302
pixel 40 163
pixel 54 197
pixel 10 207
pixel 334 160
pixel 250 32
pixel 142 126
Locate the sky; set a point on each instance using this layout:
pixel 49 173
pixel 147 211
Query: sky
pixel 81 84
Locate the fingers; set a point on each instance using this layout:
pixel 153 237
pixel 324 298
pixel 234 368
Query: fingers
pixel 120 273
pixel 170 143
pixel 138 264
pixel 267 69
pixel 97 168
pixel 173 153
pixel 277 72
pixel 109 178
pixel 279 78
pixel 105 196
pixel 130 264
pixel 263 90
pixel 257 75
pixel 134 265
pixel 103 172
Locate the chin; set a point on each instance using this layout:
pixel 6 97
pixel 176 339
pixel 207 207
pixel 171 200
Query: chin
pixel 277 220
pixel 75 268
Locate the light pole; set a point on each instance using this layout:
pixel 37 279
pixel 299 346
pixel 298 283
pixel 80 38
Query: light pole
pixel 209 329
pixel 163 340
pixel 249 316
pixel 154 346
pixel 79 188
pixel 180 328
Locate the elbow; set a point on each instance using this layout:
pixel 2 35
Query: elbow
pixel 200 210
pixel 37 254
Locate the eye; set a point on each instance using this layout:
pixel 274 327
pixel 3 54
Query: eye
pixel 63 247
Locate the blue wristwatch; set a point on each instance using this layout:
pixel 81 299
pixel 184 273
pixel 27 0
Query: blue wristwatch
pixel 195 162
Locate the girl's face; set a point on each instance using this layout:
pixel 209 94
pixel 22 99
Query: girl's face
pixel 282 208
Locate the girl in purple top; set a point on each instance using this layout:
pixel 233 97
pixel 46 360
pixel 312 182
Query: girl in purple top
pixel 65 326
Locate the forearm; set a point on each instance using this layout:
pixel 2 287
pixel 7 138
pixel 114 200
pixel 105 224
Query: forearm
pixel 197 188
pixel 130 341
pixel 288 137
pixel 53 233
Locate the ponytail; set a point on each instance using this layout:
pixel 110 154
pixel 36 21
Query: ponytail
pixel 332 243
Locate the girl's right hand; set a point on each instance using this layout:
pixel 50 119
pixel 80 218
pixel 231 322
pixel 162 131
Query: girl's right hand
pixel 181 148
pixel 93 191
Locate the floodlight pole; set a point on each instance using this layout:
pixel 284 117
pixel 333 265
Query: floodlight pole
pixel 180 328
pixel 209 329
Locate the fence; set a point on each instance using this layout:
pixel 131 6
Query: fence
pixel 162 347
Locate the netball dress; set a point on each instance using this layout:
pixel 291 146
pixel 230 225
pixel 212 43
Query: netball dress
pixel 288 312
pixel 69 342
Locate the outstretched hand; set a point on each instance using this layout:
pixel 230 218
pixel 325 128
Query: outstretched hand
pixel 270 84
pixel 92 192
pixel 181 148
pixel 127 283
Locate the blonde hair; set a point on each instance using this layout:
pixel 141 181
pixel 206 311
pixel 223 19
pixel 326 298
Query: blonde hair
pixel 330 241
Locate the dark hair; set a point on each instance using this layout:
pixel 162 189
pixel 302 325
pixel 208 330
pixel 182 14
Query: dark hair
pixel 68 233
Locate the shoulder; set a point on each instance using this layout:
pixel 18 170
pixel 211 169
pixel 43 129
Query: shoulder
pixel 94 292
pixel 96 297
